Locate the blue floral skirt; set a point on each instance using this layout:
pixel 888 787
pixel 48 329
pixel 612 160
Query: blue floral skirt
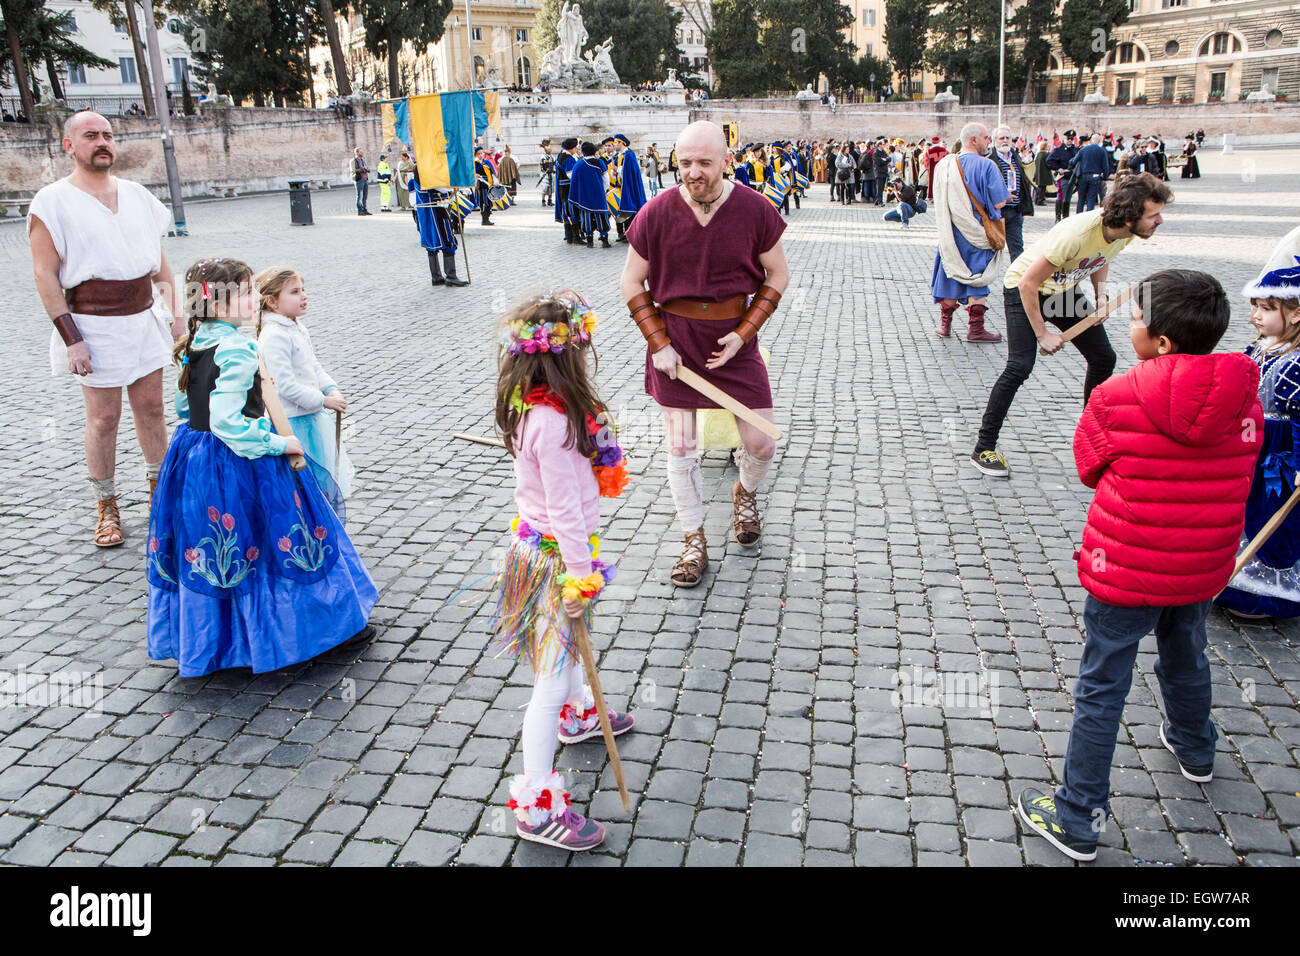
pixel 248 564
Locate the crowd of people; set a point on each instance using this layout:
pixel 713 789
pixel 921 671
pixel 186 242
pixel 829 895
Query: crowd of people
pixel 249 563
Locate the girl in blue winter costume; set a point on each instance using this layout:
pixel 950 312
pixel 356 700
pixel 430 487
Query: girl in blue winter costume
pixel 1269 586
pixel 310 397
pixel 248 564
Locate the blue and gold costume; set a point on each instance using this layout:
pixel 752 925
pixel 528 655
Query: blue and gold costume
pixel 439 219
pixel 588 203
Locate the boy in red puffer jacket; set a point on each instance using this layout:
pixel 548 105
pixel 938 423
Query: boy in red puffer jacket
pixel 1171 449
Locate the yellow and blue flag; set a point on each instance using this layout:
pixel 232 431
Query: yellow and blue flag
pixel 487 111
pixel 442 132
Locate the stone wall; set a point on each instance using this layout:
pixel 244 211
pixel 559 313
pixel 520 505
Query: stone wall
pixel 262 149
pixel 1253 123
pixel 254 149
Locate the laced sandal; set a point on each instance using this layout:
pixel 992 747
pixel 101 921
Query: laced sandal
pixel 690 567
pixel 744 516
pixel 108 526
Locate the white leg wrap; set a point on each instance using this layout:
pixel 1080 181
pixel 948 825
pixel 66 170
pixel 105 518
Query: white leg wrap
pixel 687 484
pixel 752 470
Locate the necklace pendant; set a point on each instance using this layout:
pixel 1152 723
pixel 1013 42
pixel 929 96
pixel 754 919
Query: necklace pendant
pixel 706 206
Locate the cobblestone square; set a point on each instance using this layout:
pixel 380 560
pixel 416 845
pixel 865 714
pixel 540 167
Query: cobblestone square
pixel 782 710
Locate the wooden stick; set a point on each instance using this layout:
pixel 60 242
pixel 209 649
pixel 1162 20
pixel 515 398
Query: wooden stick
pixel 495 442
pixel 1266 532
pixel 709 390
pixel 1085 324
pixel 338 434
pixel 279 420
pixel 589 662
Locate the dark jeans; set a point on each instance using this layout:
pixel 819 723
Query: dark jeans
pixel 363 190
pixel 904 212
pixel 1110 649
pixel 1090 189
pixel 1022 350
pixel 1015 229
pixel 868 190
pixel 880 190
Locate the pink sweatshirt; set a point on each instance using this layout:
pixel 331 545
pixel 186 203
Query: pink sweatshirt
pixel 555 488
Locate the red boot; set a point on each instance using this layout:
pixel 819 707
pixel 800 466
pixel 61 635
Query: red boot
pixel 976 331
pixel 946 309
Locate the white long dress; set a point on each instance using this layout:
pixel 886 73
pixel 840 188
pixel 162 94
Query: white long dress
pixel 95 243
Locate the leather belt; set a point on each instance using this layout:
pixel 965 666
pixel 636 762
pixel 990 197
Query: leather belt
pixel 732 308
pixel 111 296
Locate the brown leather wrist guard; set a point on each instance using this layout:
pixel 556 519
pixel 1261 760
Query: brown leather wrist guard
pixel 67 329
pixel 760 307
pixel 647 318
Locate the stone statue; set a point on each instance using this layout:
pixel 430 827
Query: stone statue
pixel 602 64
pixel 807 94
pixel 571 31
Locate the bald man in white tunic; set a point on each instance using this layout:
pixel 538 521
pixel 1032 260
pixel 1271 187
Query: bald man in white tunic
pixel 98 262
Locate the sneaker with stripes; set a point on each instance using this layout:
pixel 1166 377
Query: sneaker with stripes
pixel 544 814
pixel 569 831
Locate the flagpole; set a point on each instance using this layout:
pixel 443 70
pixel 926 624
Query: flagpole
pixel 1002 54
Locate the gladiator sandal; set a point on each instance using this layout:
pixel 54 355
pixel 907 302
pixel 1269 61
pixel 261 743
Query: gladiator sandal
pixel 690 567
pixel 744 516
pixel 108 528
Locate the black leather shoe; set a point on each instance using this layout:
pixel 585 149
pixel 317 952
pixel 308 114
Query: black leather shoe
pixel 604 242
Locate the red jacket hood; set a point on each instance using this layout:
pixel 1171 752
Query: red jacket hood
pixel 1197 399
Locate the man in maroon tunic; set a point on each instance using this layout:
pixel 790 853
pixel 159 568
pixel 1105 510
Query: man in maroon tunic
pixel 711 255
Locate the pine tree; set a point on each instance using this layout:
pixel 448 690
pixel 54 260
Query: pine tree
pixel 735 54
pixel 804 39
pixel 906 25
pixel 1086 28
pixel 1034 23
pixel 964 43
pixel 390 22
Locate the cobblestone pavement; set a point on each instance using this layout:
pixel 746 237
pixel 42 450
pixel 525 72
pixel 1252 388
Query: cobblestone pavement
pixel 769 731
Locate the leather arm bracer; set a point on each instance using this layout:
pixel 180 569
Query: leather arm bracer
pixel 760 307
pixel 647 318
pixel 67 329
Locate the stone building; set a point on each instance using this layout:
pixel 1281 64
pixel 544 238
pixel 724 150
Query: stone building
pixel 1197 51
pixel 692 38
pixel 495 42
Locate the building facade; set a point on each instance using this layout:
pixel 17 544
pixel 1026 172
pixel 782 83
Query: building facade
pixel 693 37
pixel 1197 51
pixel 108 90
pixel 493 44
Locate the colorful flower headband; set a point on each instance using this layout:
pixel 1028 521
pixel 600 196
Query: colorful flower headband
pixel 538 337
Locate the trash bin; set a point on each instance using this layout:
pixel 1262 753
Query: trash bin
pixel 300 202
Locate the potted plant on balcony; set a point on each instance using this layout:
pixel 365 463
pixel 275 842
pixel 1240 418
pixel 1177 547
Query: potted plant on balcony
pixel 1140 100
pixel 1185 98
pixel 1166 100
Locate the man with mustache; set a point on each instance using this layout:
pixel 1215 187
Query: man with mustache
pixel 97 257
pixel 710 252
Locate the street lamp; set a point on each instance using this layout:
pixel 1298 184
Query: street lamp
pixel 1002 56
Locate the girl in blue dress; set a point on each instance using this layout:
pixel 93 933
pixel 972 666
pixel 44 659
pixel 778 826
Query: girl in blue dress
pixel 248 564
pixel 1269 586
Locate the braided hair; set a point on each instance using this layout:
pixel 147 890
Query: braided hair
pixel 210 284
pixel 269 283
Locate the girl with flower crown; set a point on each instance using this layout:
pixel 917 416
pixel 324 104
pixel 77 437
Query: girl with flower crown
pixel 248 564
pixel 566 459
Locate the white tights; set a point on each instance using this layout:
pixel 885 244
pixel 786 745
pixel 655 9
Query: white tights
pixel 542 719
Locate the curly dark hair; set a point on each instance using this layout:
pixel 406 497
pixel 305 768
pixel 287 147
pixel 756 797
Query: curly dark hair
pixel 1127 199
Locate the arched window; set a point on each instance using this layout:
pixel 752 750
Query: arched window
pixel 523 72
pixel 1220 44
pixel 1127 53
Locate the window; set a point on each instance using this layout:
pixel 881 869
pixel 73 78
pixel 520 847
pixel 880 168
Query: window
pixel 524 71
pixel 127 65
pixel 521 36
pixel 476 34
pixel 871 17
pixel 72 22
pixel 1133 5
pixel 869 53
pixel 77 73
pixel 1220 44
pixel 1126 53
pixel 1269 80
pixel 180 68
pixel 174 26
pixel 1274 38
pixel 1172 48
pixel 1124 90
pixel 1218 82
pixel 1169 88
pixel 1166 4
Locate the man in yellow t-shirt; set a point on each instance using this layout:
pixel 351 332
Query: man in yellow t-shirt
pixel 1042 286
